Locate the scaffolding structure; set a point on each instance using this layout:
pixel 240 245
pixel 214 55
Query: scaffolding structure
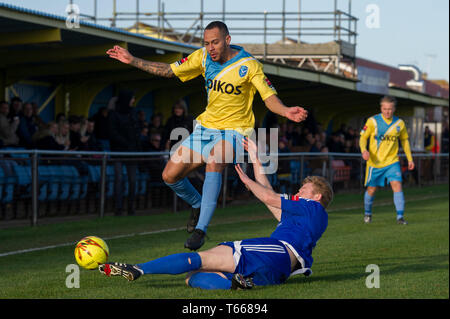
pixel 336 29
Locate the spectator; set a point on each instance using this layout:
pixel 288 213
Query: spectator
pixel 83 125
pixel 45 138
pixel 429 141
pixel 317 146
pixel 342 130
pixel 444 138
pixel 179 118
pixel 91 143
pixel 270 121
pixel 60 117
pixel 310 122
pixel 335 144
pixel 350 134
pixel 142 119
pixel 63 135
pixel 323 137
pixel 153 166
pixel 8 130
pixel 37 119
pixel 123 127
pixel 77 141
pixel 304 131
pixel 292 135
pixel 283 145
pixel 144 135
pixel 156 125
pixel 27 126
pixel 16 107
pixel 355 145
pixel 311 143
pixel 348 146
pixel 154 143
pixel 101 128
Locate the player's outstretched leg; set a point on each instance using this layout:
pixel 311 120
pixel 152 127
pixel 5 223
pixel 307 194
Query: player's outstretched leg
pixel 130 272
pixel 216 163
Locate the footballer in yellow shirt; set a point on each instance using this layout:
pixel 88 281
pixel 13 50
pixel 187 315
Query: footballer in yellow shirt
pixel 232 77
pixel 384 131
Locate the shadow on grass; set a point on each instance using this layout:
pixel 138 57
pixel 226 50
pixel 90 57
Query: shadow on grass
pixel 403 265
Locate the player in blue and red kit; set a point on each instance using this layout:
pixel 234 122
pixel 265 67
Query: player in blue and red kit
pixel 257 261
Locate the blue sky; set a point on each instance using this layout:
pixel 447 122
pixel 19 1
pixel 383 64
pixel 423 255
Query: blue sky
pixel 409 31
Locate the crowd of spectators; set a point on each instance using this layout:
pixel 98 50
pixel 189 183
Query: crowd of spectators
pixel 115 127
pixel 120 127
pixel 311 137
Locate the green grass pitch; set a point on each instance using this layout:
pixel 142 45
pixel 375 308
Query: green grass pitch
pixel 413 259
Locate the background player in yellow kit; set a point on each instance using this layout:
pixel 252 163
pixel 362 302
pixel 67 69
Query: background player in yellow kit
pixel 232 77
pixel 384 131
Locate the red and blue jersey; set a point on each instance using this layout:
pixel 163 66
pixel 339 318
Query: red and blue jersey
pixel 303 221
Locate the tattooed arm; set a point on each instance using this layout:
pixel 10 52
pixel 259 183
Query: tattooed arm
pixel 156 68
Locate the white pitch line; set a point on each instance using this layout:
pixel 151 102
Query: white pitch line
pixel 74 243
pixel 22 251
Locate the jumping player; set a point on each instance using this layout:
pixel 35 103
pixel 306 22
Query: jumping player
pixel 384 131
pixel 257 261
pixel 232 77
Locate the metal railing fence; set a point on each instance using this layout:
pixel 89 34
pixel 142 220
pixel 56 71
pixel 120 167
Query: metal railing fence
pixel 55 183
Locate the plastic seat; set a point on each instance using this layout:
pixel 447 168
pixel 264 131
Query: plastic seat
pixel 66 181
pixel 75 188
pixel 49 175
pixel 9 180
pixel 142 180
pixel 23 188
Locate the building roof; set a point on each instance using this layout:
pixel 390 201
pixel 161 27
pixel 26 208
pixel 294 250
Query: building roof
pixel 39 46
pixel 399 78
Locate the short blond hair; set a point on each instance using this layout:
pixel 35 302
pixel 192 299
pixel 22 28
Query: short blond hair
pixel 322 187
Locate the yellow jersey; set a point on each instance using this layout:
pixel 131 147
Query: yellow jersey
pixel 230 88
pixel 384 135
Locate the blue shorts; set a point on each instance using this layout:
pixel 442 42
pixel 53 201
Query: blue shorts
pixel 266 260
pixel 376 176
pixel 203 139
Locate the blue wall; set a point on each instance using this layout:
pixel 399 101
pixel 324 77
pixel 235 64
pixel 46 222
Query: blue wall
pixel 37 94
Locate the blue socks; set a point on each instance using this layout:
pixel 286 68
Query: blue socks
pixel 208 280
pixel 368 201
pixel 399 202
pixel 173 264
pixel 184 262
pixel 211 190
pixel 208 202
pixel 184 189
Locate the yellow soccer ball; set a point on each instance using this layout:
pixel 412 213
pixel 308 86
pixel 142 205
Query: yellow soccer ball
pixel 91 251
